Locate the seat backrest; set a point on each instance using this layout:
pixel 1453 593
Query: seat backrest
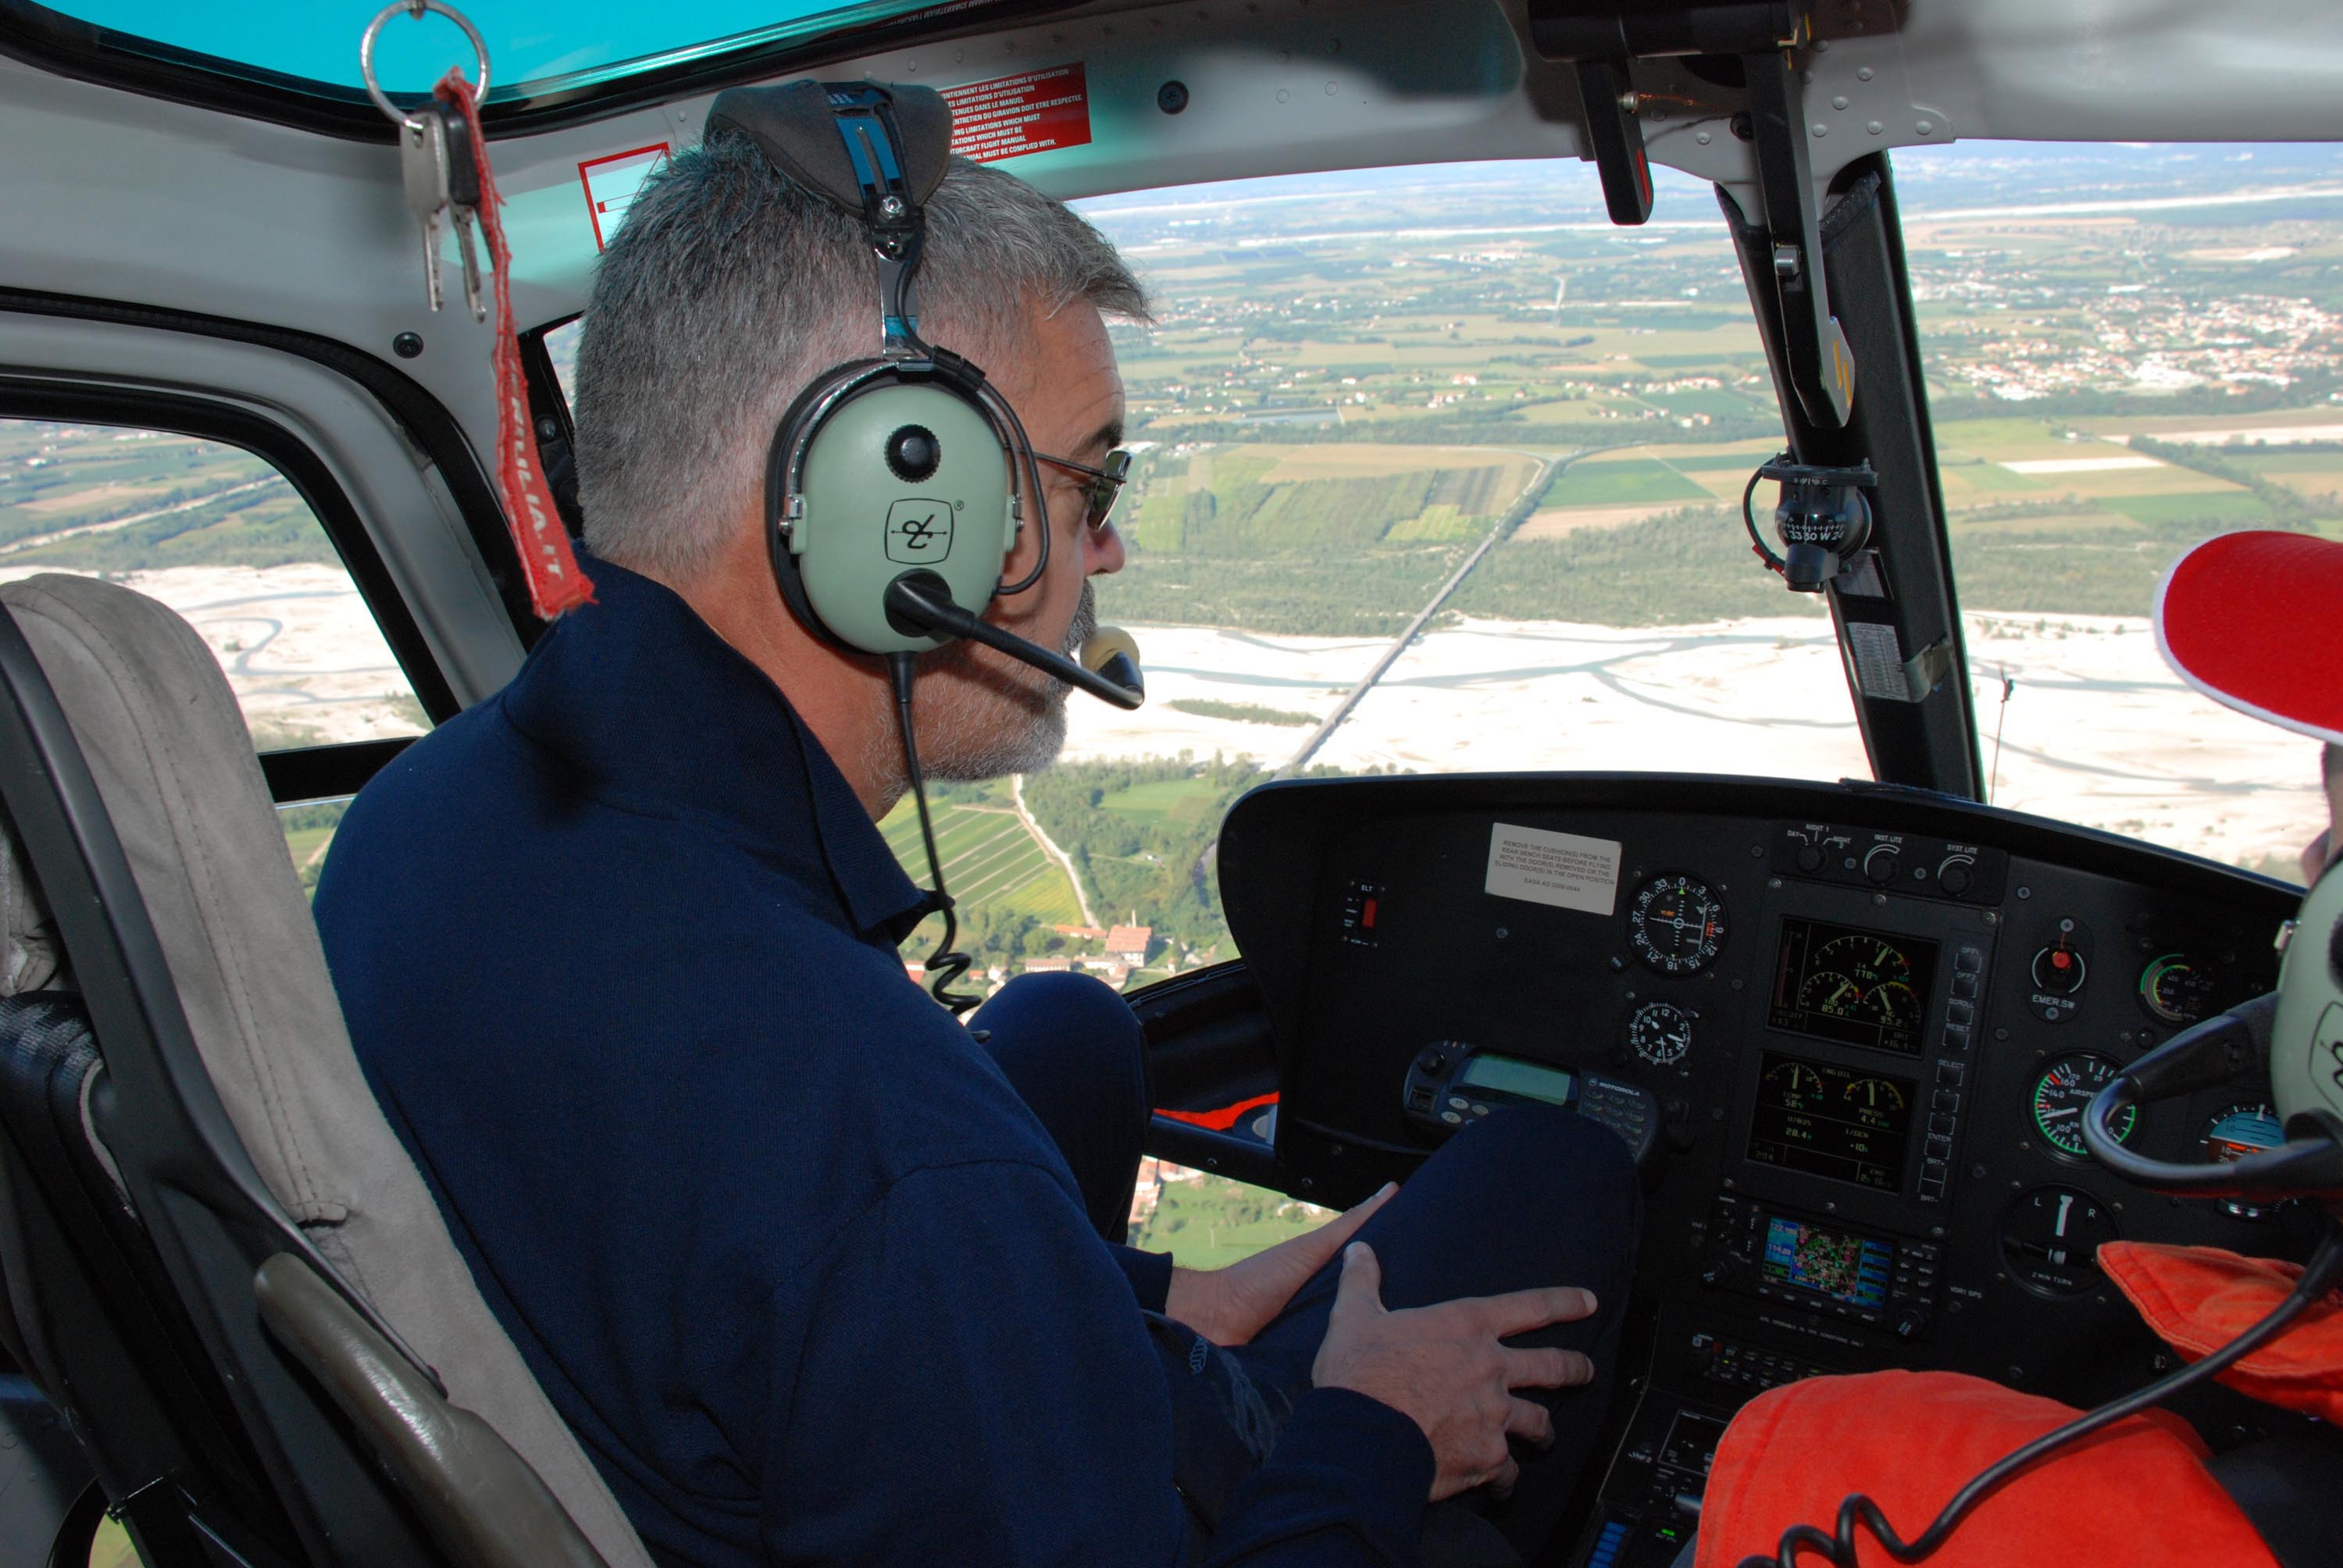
pixel 174 768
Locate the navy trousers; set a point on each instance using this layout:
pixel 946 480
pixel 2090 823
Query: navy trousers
pixel 1531 1196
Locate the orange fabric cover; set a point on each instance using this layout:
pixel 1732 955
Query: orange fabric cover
pixel 2198 1299
pixel 2136 1495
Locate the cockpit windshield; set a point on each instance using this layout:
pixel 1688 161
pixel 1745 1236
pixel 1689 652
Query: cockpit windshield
pixel 532 45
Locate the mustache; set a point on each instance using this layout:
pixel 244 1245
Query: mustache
pixel 1084 626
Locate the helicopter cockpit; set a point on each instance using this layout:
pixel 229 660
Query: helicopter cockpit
pixel 1502 743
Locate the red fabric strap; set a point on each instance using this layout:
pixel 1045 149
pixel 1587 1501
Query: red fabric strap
pixel 555 583
pixel 1226 1116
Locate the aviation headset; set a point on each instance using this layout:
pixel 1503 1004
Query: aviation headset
pixel 888 507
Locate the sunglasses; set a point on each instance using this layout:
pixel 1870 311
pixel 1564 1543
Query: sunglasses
pixel 1105 483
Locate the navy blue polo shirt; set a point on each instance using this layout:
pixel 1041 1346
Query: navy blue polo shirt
pixel 810 1283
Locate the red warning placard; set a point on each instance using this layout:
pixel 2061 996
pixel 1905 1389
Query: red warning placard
pixel 1030 112
pixel 612 184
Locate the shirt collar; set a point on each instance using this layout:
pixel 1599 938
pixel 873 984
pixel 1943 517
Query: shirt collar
pixel 656 712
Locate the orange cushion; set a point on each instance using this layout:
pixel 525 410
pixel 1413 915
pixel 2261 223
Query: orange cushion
pixel 2198 1299
pixel 2136 1495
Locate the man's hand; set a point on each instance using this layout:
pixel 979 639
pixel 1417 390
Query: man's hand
pixel 1229 1306
pixel 1443 1367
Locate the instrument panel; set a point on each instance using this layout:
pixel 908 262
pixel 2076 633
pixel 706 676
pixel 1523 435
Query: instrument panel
pixel 1862 1024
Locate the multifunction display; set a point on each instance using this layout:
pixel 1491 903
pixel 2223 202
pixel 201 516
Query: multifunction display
pixel 1840 1265
pixel 1835 1121
pixel 1511 1075
pixel 1851 987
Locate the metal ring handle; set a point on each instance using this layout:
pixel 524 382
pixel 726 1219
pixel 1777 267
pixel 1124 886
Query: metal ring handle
pixel 415 8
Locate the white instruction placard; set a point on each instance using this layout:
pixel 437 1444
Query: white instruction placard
pixel 1564 869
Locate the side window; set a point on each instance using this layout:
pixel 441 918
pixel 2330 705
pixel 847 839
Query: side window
pixel 218 535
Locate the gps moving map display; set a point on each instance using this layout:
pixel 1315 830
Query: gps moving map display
pixel 1836 1263
pixel 1851 987
pixel 1832 1121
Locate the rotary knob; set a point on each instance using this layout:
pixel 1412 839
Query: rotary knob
pixel 1957 875
pixel 1810 858
pixel 1879 864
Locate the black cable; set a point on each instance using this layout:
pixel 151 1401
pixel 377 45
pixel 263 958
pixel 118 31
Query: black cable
pixel 944 966
pixel 1772 561
pixel 2320 1272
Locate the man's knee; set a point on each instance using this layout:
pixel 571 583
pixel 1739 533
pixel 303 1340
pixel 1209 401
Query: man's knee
pixel 1064 1040
pixel 1555 1180
pixel 1074 1014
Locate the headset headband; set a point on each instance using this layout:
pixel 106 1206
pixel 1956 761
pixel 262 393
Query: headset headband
pixel 875 153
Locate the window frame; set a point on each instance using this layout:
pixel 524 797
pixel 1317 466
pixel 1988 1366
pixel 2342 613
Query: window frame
pixel 298 773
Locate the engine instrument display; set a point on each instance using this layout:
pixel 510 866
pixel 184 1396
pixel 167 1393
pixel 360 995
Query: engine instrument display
pixel 2064 1088
pixel 1676 924
pixel 1851 987
pixel 1832 1121
pixel 2178 989
pixel 1840 1265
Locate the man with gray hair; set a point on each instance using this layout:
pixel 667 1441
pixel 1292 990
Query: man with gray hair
pixel 815 1273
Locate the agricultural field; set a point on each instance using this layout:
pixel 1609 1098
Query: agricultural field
pixel 90 499
pixel 990 862
pixel 1208 1222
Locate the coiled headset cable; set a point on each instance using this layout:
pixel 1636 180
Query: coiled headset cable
pixel 1839 1548
pixel 944 965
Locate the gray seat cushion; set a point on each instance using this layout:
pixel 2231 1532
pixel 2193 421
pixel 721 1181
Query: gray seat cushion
pixel 174 764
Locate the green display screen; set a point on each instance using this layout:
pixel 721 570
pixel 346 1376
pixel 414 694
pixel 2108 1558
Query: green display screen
pixel 1509 1075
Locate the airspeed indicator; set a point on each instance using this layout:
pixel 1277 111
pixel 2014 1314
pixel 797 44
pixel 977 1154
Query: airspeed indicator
pixel 2066 1087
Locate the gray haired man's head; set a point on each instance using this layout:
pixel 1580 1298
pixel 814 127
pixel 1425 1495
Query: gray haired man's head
pixel 731 288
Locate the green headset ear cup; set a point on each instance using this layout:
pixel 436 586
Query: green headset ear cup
pixel 863 526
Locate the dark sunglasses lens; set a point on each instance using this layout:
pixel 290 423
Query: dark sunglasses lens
pixel 1107 489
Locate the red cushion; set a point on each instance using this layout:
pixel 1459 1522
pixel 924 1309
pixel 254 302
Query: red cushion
pixel 2236 616
pixel 2198 1299
pixel 2136 1495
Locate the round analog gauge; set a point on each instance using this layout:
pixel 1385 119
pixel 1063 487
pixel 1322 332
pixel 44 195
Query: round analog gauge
pixel 1676 924
pixel 1865 977
pixel 2241 1130
pixel 2064 1088
pixel 2176 989
pixel 2050 1241
pixel 1661 1033
pixel 1874 1100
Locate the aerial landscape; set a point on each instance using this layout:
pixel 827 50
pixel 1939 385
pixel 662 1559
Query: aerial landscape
pixel 1417 492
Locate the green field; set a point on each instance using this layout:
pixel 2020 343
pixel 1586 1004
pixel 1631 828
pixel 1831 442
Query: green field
pixel 992 865
pixel 1634 480
pixel 2220 509
pixel 1211 1222
pixel 1241 712
pixel 1167 801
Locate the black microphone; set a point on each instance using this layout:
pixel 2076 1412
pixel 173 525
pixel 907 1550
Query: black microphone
pixel 920 604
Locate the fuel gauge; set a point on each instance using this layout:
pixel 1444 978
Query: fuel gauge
pixel 2178 989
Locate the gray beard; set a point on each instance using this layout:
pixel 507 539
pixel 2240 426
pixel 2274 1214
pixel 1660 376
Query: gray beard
pixel 982 726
